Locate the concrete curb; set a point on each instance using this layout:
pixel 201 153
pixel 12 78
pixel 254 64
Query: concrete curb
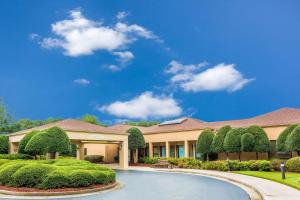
pixel 88 191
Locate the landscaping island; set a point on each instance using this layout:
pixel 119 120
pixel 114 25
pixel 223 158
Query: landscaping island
pixel 53 177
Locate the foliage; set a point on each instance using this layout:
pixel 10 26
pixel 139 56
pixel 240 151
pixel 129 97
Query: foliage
pixel 247 142
pixel 142 123
pixel 148 160
pixel 4 144
pixel 262 143
pixel 92 119
pixel 218 141
pixel 293 140
pixel 281 140
pixel 215 165
pixel 94 158
pixel 276 164
pixel 5 119
pixel 204 142
pixel 48 174
pixel 293 164
pixel 25 141
pixel 185 163
pixel 37 145
pixel 58 141
pixel 31 175
pixel 135 139
pixel 15 156
pixel 232 142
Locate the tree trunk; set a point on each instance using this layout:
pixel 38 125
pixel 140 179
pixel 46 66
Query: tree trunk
pixel 135 156
pixel 207 157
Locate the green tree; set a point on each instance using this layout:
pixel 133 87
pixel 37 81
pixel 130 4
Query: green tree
pixel 204 143
pixel 218 141
pixel 37 145
pixel 232 142
pixel 247 142
pixel 135 141
pixel 4 144
pixel 142 123
pixel 25 141
pixel 262 143
pixel 92 119
pixel 281 140
pixel 58 141
pixel 5 119
pixel 293 140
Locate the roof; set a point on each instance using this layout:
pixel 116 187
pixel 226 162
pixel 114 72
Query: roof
pixel 73 125
pixel 280 117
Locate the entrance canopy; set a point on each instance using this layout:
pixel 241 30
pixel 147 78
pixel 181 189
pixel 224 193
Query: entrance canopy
pixel 81 133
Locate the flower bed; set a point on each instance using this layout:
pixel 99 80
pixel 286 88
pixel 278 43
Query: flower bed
pixel 53 174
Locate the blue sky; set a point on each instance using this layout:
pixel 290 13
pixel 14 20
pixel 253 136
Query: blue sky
pixel 213 60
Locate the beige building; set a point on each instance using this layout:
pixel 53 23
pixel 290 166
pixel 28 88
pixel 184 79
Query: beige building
pixel 175 138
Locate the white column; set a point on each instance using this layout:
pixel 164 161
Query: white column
pixel 150 150
pixel 80 151
pixel 123 155
pixel 167 149
pixel 186 149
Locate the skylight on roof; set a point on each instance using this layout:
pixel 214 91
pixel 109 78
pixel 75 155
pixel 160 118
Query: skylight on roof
pixel 175 121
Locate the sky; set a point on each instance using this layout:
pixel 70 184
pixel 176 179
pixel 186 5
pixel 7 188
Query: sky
pixel 149 60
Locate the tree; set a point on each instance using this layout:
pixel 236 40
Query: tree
pixel 142 123
pixel 281 140
pixel 49 141
pixel 293 140
pixel 25 141
pixel 204 143
pixel 247 142
pixel 4 144
pixel 232 142
pixel 262 143
pixel 218 141
pixel 5 119
pixel 135 141
pixel 92 119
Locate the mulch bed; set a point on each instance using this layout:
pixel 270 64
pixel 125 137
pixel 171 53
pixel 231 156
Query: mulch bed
pixel 140 165
pixel 25 189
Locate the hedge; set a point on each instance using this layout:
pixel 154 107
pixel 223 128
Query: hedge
pixel 94 158
pixel 49 174
pixel 218 141
pixel 293 164
pixel 293 140
pixel 15 156
pixel 3 144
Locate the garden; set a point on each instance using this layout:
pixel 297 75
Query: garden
pixel 31 170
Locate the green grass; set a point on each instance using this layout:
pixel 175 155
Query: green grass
pixel 292 179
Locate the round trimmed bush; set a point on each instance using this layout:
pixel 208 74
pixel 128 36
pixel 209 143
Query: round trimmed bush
pixel 24 142
pixel 293 140
pixel 31 175
pixel 232 142
pixel 4 144
pixel 55 179
pixel 262 143
pixel 58 141
pixel 293 164
pixel 204 142
pixel 218 141
pixel 103 177
pixel 7 171
pixel 276 164
pixel 81 178
pixel 37 145
pixel 247 142
pixel 281 140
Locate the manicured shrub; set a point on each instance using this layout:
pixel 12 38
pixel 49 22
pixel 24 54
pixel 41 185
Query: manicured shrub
pixel 148 160
pixel 293 140
pixel 24 142
pixel 232 142
pixel 94 158
pixel 31 175
pixel 37 145
pixel 58 141
pixel 15 156
pixel 262 143
pixel 7 171
pixel 81 178
pixel 4 144
pixel 215 165
pixel 55 179
pixel 281 140
pixel 276 164
pixel 293 164
pixel 185 163
pixel 204 143
pixel 247 142
pixel 135 141
pixel 218 141
pixel 103 177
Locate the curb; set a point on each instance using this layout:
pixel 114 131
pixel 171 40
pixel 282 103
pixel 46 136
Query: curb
pixel 115 185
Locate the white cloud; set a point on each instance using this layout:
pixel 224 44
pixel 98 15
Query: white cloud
pixel 79 35
pixel 81 81
pixel 175 67
pixel 114 68
pixel 124 56
pixel 147 105
pixel 122 15
pixel 219 77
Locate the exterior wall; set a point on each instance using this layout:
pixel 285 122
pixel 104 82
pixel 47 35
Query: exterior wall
pixel 109 151
pixel 173 136
pixel 273 132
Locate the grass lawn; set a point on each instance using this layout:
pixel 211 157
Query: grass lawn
pixel 292 179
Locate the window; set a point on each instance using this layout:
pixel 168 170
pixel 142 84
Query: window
pixel 172 151
pixel 162 151
pixel 180 151
pixel 155 152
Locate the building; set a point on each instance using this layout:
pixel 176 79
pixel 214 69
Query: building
pixel 175 138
